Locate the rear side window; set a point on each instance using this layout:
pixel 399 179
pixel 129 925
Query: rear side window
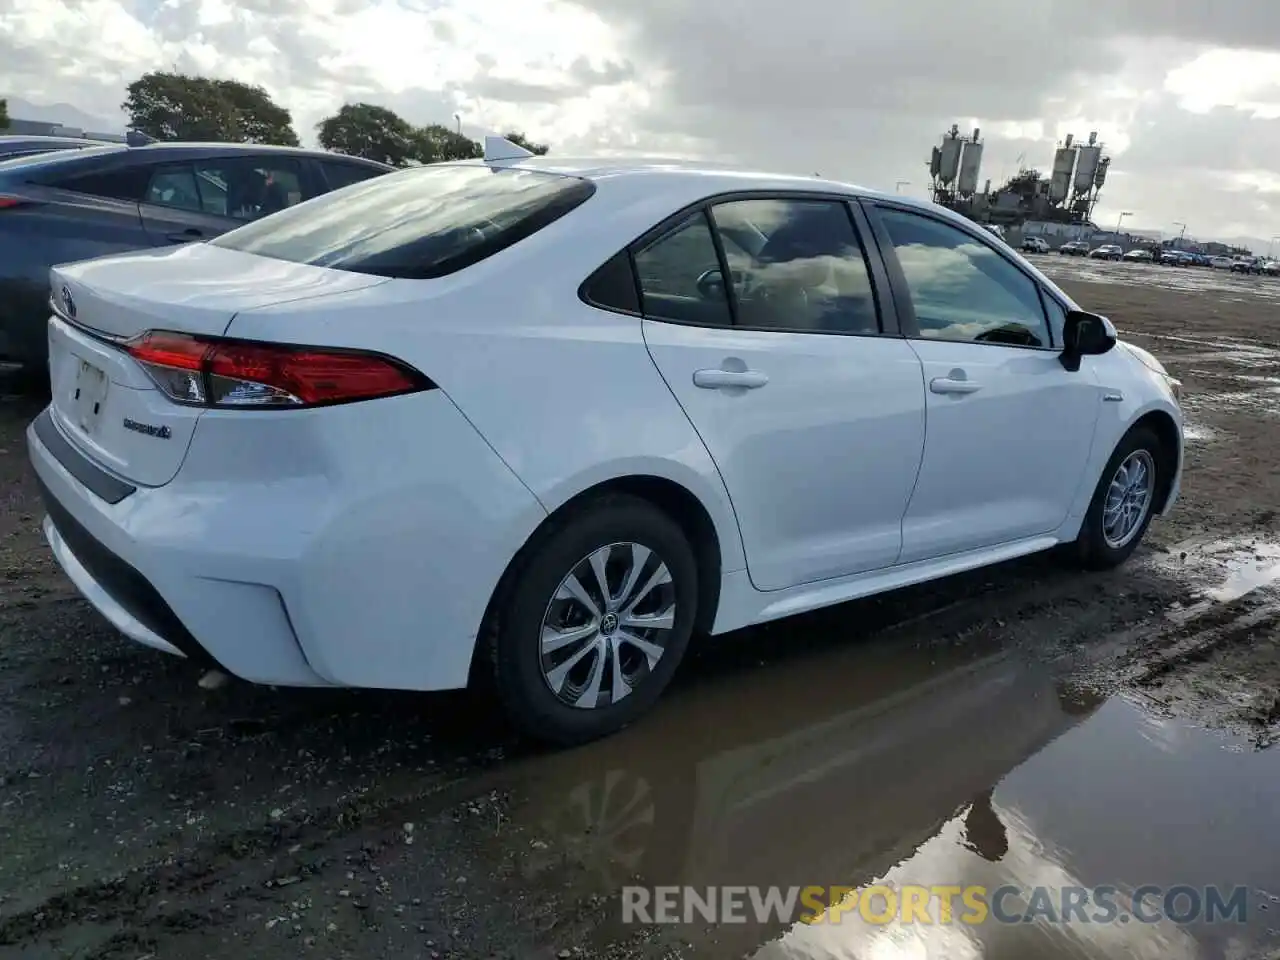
pixel 174 187
pixel 415 224
pixel 127 183
pixel 339 175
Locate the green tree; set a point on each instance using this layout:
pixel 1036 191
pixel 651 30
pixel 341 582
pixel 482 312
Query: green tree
pixel 374 133
pixel 261 119
pixel 520 140
pixel 177 106
pixel 4 114
pixel 436 142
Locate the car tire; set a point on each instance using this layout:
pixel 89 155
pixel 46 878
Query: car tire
pixel 1103 542
pixel 538 597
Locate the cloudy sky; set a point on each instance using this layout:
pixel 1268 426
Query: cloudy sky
pixel 1185 93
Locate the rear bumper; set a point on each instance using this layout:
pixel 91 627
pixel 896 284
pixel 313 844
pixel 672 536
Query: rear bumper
pixel 356 563
pixel 87 509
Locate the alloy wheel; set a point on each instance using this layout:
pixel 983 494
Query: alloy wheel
pixel 1129 498
pixel 607 625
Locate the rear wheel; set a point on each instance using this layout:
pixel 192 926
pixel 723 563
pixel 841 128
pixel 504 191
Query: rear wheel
pixel 1123 502
pixel 594 621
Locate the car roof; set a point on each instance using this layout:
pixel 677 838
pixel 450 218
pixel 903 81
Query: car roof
pixel 18 139
pixel 188 148
pixel 176 151
pixel 707 178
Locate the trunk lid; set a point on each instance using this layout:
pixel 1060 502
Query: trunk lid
pixel 192 288
pixel 101 398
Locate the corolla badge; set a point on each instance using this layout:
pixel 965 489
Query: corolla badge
pixel 149 429
pixel 68 304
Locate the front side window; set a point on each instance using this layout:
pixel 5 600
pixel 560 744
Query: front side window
pixel 246 188
pixel 961 288
pixel 415 224
pixel 806 270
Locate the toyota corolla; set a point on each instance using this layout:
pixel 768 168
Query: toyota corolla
pixel 534 423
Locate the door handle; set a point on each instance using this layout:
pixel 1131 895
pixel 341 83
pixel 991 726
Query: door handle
pixel 715 379
pixel 948 385
pixel 186 236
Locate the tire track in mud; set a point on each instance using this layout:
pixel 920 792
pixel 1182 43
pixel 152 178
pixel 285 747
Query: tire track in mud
pixel 237 865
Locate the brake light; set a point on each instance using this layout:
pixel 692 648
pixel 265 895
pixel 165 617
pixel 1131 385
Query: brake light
pixel 7 202
pixel 213 372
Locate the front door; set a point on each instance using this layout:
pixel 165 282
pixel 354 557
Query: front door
pixel 1009 429
pixel 813 415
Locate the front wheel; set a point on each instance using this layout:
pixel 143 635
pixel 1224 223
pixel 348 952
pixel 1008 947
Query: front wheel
pixel 594 621
pixel 1123 502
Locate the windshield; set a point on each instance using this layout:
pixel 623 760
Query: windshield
pixel 418 223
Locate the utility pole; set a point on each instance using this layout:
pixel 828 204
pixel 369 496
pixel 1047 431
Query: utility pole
pixel 1120 219
pixel 459 119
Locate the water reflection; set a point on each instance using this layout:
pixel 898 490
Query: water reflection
pixel 961 765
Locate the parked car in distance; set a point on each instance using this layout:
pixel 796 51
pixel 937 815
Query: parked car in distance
pixel 1108 251
pixel 395 482
pixel 78 204
pixel 995 229
pixel 1074 248
pixel 15 145
pixel 1034 245
pixel 1221 263
pixel 1137 255
pixel 1246 265
pixel 1271 267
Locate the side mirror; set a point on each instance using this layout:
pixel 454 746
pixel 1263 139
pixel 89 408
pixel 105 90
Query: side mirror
pixel 1084 335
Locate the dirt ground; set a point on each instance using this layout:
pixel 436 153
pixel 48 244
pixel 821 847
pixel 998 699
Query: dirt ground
pixel 142 816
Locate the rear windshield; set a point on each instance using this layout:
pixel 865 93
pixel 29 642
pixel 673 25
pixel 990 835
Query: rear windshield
pixel 415 224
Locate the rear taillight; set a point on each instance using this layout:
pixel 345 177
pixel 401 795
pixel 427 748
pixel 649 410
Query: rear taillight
pixel 6 201
pixel 211 372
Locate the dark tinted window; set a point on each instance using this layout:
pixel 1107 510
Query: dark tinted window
pixel 53 162
pixel 173 186
pixel 127 183
pixel 961 288
pixel 613 286
pixel 338 175
pixel 247 188
pixel 808 271
pixel 417 223
pixel 679 275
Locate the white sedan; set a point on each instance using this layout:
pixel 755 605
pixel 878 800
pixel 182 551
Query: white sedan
pixel 536 422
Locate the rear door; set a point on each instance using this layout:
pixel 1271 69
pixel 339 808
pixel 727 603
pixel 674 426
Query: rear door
pixel 810 404
pixel 200 199
pixel 1009 429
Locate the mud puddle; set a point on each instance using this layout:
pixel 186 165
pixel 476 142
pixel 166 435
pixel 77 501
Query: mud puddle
pixel 1231 567
pixel 969 766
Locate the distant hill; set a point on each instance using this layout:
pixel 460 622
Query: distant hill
pixel 63 113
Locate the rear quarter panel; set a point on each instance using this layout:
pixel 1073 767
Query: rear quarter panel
pixel 566 394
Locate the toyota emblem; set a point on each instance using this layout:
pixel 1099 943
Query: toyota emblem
pixel 68 303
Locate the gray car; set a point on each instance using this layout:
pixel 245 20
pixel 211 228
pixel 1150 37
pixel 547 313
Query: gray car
pixel 79 204
pixel 19 146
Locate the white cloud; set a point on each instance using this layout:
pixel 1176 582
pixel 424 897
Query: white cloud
pixel 1186 100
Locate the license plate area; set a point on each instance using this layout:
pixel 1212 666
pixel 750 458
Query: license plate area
pixel 88 396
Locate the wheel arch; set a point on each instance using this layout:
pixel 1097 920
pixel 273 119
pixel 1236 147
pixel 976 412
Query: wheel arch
pixel 673 498
pixel 1166 430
